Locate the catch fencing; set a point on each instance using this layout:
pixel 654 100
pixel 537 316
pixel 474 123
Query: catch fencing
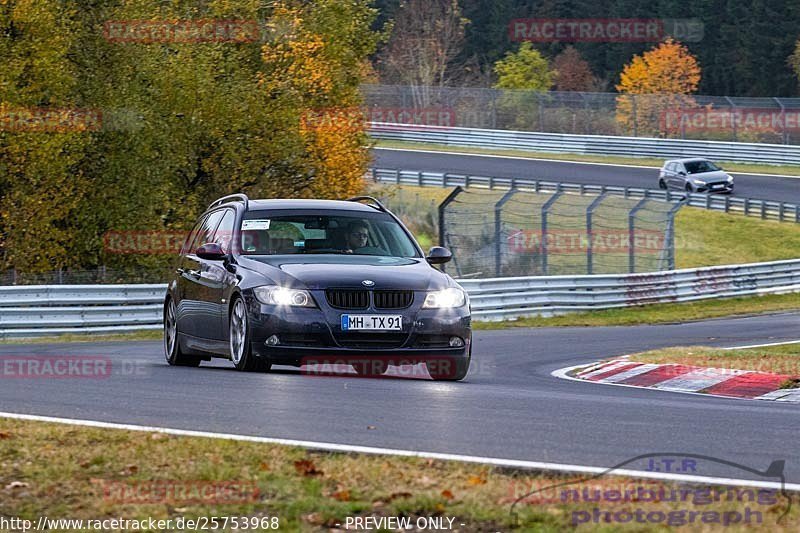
pixel 517 233
pixel 721 118
pixel 32 311
pixel 602 145
pixel 764 209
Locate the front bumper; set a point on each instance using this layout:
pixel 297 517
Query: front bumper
pixel 716 188
pixel 315 335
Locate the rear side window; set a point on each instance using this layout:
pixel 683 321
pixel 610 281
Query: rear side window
pixel 224 234
pixel 192 235
pixel 204 235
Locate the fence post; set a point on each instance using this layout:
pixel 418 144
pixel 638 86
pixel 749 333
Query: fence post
pixel 498 230
pixel 670 236
pixel 590 232
pixel 545 209
pixel 632 235
pixel 442 207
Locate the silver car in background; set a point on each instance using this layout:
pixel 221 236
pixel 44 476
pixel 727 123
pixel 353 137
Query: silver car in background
pixel 694 175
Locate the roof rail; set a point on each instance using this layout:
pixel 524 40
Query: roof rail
pixel 225 199
pixel 375 202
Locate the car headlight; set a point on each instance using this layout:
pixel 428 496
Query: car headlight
pixel 445 299
pixel 275 295
pixel 699 182
pixel 730 179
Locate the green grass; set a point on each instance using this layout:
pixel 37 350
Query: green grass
pixel 706 238
pixel 660 313
pixel 783 359
pixel 89 337
pixel 62 471
pixel 788 170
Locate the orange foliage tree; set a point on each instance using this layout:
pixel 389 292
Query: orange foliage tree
pixel 654 83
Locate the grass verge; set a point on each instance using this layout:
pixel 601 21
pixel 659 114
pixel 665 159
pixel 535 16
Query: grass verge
pixel 707 238
pixel 150 335
pixel 62 471
pixel 783 359
pixel 660 313
pixel 785 170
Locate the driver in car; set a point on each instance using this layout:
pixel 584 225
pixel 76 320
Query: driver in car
pixel 357 235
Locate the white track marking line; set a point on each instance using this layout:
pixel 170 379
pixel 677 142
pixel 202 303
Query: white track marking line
pixel 761 345
pixel 521 158
pixel 348 448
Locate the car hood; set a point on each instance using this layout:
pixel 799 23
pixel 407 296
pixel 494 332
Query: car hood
pixel 717 175
pixel 322 272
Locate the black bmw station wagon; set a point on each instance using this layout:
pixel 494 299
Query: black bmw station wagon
pixel 289 282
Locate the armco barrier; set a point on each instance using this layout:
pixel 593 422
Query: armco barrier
pixel 52 310
pixel 764 209
pixel 36 310
pixel 776 154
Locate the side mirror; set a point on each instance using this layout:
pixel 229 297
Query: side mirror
pixel 438 255
pixel 211 251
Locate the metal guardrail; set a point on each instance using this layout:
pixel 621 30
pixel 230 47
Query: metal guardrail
pixel 123 308
pixel 776 154
pixel 505 298
pixel 36 310
pixel 765 209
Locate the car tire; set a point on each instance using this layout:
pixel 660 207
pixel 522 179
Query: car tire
pixel 441 372
pixel 662 185
pixel 240 350
pixel 689 188
pixel 371 369
pixel 172 345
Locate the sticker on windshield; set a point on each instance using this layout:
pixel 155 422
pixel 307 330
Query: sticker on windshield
pixel 255 224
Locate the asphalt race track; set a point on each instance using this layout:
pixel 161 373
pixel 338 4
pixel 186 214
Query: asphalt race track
pixel 747 185
pixel 509 406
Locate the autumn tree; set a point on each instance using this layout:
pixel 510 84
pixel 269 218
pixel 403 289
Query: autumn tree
pixel 523 75
pixel 572 73
pixel 654 83
pixel 183 122
pixel 426 37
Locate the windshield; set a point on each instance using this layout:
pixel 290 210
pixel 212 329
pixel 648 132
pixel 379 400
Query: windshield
pixel 698 167
pixel 378 234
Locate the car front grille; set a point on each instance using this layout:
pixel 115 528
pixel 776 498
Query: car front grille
pixel 347 298
pixel 370 341
pixel 393 299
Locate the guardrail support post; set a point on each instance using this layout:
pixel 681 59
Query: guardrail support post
pixel 498 230
pixel 632 234
pixel 727 204
pixel 746 206
pixel 545 209
pixel 590 233
pixel 763 209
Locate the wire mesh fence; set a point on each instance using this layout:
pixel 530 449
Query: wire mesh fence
pixel 521 233
pixel 86 277
pixel 722 118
